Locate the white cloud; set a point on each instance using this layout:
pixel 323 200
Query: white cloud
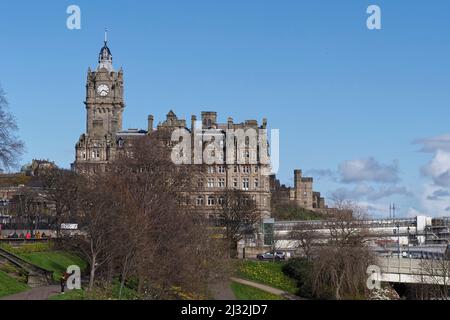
pixel 368 170
pixel 435 197
pixel 434 144
pixel 439 168
pixel 370 193
pixel 434 205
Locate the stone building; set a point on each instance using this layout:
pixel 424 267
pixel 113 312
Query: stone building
pixel 301 194
pixel 104 137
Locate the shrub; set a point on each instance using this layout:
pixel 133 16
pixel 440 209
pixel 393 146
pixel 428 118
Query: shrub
pixel 300 269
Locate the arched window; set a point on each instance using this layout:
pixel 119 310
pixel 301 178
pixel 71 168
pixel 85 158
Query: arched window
pixel 211 201
pixel 199 201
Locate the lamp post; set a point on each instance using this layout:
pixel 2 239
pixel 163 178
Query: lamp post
pixel 398 241
pixel 408 241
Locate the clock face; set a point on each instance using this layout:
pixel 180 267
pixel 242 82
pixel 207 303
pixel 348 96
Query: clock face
pixel 103 90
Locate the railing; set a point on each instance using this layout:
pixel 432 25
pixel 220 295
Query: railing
pixel 19 241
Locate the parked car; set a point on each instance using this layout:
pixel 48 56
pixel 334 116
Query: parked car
pixel 270 256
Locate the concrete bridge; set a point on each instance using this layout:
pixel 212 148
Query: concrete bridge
pixel 414 271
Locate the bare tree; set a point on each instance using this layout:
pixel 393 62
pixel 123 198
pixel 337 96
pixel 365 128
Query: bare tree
pixel 160 241
pixel 95 214
pixel 340 265
pixel 238 215
pixel 11 147
pixel 28 206
pixel 305 237
pixel 435 279
pixel 61 190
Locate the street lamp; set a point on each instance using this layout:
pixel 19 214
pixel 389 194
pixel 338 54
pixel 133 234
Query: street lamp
pixel 398 237
pixel 408 240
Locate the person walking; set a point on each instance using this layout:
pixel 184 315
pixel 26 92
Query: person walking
pixel 63 281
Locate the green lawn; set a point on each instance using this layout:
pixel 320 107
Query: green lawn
pixel 106 293
pixel 268 273
pixel 9 285
pixel 56 261
pixel 243 292
pixel 70 295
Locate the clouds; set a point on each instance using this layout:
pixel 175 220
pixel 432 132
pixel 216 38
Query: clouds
pixel 431 145
pixel 322 173
pixel 368 170
pixel 439 169
pixel 365 180
pixel 436 196
pixel 370 193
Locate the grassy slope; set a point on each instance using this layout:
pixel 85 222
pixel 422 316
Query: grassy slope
pixel 267 273
pixel 56 261
pixel 243 292
pixel 291 212
pixel 9 285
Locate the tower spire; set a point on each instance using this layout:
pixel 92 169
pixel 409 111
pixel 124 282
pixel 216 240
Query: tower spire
pixel 105 56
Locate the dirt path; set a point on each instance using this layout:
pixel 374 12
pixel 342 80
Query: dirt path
pixel 222 291
pixel 41 293
pixel 266 288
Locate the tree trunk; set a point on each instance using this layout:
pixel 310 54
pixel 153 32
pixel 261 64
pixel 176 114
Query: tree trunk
pixel 92 276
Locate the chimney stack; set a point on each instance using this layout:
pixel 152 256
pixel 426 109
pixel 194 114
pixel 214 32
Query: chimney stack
pixel 230 122
pixel 193 120
pixel 150 124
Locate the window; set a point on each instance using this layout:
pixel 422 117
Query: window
pixel 245 184
pixel 221 169
pixel 236 169
pixel 96 154
pixel 235 183
pixel 210 169
pixel 200 183
pixel 222 183
pixel 210 183
pixel 256 183
pixel 256 169
pixel 246 169
pixel 211 201
pixel 199 201
pixel 221 200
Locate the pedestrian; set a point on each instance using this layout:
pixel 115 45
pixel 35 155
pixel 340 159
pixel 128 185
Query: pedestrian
pixel 63 280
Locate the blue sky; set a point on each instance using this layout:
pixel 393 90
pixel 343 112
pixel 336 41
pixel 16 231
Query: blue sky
pixel 356 108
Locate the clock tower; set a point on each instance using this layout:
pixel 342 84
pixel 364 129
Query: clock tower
pixel 104 97
pixel 104 108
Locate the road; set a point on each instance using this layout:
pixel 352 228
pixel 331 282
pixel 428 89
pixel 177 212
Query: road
pixel 41 293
